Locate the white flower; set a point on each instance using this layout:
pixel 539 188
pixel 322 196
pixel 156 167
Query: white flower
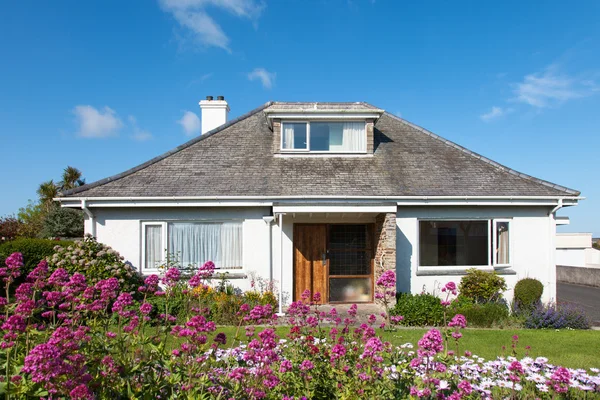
pixel 443 385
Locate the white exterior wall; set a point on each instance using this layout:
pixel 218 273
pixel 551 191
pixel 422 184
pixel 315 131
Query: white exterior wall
pixel 532 233
pixel 120 228
pixel 532 240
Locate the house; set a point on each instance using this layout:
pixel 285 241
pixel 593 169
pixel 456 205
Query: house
pixel 325 196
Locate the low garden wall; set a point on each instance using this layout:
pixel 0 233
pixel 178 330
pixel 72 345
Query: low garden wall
pixel 578 275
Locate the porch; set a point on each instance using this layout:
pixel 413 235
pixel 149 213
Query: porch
pixel 334 253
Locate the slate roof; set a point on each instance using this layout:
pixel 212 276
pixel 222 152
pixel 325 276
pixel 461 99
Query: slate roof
pixel 237 159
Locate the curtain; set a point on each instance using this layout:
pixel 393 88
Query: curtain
pixel 354 137
pixel 288 136
pixel 153 246
pixel 195 243
pixel 502 243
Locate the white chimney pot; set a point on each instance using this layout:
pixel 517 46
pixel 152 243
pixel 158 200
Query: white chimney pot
pixel 214 113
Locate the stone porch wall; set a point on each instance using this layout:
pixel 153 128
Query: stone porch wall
pixel 385 239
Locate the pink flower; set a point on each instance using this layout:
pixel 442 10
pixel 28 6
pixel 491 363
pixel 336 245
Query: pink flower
pixel 431 343
pixel 387 279
pixel 171 276
pixel 306 365
pixel 145 308
pixel 465 387
pixel 458 321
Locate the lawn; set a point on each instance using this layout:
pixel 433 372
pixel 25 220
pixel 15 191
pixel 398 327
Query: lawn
pixel 569 348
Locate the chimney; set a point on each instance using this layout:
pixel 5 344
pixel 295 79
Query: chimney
pixel 214 113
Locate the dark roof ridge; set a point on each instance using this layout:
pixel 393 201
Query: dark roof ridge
pixel 167 154
pixel 485 159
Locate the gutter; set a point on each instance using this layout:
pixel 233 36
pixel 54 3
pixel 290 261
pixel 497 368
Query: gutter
pixel 89 213
pixel 558 207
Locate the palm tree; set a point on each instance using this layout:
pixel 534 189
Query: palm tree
pixel 47 191
pixel 71 178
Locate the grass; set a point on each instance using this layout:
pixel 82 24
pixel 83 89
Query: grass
pixel 573 349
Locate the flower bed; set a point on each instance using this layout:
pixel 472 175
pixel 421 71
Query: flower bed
pixel 63 338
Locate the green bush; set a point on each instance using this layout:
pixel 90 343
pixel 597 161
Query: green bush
pixel 419 309
pixel 63 222
pixel 483 315
pixel 96 261
pixel 528 294
pixel 33 251
pixel 482 286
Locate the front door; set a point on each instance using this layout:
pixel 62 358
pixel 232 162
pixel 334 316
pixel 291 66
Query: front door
pixel 335 260
pixel 310 260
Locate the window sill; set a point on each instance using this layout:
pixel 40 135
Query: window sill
pixel 461 270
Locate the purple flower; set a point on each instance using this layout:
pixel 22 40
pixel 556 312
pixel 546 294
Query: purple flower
pixel 221 338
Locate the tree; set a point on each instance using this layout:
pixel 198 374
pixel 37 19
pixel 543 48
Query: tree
pixel 63 222
pixel 47 191
pixel 9 227
pixel 71 179
pixel 32 219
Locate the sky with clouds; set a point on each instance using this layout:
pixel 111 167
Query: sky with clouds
pixel 106 85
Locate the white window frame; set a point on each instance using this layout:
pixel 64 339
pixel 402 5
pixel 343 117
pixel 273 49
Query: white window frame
pixel 495 244
pixel 308 150
pixel 491 245
pixel 163 226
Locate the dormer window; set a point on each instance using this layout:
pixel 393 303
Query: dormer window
pixel 324 136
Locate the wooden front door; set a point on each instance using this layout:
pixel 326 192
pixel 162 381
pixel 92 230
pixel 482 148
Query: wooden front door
pixel 310 260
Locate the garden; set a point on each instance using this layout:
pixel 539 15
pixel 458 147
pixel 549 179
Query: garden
pixel 79 323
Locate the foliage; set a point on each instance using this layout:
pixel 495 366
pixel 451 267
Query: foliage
pixel 419 309
pixel 596 244
pixel 66 338
pixel 557 316
pixel 96 261
pixel 32 250
pixel 32 219
pixel 484 315
pixel 527 294
pixel 63 222
pixel 46 192
pixel 482 286
pixel 9 228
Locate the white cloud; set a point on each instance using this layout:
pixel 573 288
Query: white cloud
pixel 190 123
pixel 266 78
pixel 494 113
pixel 139 134
pixel 192 15
pixel 550 88
pixel 94 123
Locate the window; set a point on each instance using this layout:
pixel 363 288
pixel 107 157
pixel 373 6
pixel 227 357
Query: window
pixel 335 137
pixel 350 271
pixel 193 243
pixel 465 243
pixel 501 243
pixel 153 245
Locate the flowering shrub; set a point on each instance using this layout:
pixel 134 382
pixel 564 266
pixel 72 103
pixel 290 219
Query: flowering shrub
pixel 122 351
pixel 96 261
pixel 557 316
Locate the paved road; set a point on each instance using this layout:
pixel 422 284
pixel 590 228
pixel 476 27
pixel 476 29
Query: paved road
pixel 585 297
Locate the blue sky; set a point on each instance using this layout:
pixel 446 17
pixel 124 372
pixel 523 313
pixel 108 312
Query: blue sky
pixel 106 85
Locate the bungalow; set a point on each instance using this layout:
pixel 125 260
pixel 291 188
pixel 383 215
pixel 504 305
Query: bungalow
pixel 326 196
